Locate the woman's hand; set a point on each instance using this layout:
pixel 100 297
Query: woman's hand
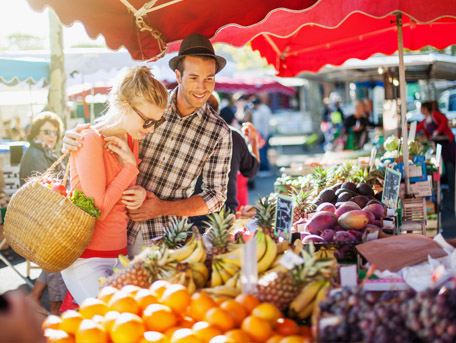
pixel 72 138
pixel 134 197
pixel 121 149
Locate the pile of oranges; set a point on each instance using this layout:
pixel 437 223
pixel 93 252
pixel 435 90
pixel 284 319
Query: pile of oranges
pixel 166 313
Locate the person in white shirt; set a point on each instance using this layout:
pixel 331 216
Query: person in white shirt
pixel 261 115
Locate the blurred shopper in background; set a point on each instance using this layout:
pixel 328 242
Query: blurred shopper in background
pixel 45 132
pixel 436 129
pixel 261 115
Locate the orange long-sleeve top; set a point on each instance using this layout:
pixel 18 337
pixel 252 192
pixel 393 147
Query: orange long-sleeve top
pixel 99 175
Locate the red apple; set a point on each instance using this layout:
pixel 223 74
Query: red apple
pixel 59 188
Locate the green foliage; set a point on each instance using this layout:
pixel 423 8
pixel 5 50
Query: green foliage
pixel 85 203
pixel 23 41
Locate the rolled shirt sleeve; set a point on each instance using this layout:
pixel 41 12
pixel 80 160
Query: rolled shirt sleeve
pixel 215 173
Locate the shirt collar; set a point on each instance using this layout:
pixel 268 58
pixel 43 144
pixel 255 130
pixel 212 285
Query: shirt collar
pixel 172 106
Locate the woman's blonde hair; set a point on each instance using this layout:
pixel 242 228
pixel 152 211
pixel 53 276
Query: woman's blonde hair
pixel 130 84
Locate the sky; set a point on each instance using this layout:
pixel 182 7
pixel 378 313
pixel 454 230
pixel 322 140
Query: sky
pixel 16 16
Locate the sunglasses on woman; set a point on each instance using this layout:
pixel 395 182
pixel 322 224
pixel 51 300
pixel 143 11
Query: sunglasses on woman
pixel 149 122
pixel 50 133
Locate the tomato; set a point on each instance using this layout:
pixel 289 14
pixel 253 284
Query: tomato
pixel 59 188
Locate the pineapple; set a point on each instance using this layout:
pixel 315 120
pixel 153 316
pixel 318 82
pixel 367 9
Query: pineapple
pixel 175 235
pixel 345 172
pixel 266 209
pixel 279 288
pixel 148 266
pixel 321 178
pixel 303 205
pixel 217 235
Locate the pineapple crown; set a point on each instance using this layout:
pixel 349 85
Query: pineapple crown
pixel 219 224
pixel 266 208
pixel 175 235
pixel 302 197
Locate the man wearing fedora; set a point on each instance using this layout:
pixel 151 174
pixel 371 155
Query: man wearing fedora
pixel 193 140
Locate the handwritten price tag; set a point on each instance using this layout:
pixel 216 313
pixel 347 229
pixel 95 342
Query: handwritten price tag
pixel 290 260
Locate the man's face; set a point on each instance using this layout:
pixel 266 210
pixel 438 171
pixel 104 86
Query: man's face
pixel 195 84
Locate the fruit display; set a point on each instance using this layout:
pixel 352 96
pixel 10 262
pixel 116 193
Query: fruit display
pixel 168 313
pixel 354 315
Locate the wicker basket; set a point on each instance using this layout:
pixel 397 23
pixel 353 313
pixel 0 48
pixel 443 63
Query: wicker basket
pixel 45 227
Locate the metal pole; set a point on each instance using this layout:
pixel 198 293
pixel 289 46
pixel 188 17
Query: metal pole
pixel 400 44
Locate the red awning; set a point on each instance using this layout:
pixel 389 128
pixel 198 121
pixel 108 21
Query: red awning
pixel 173 20
pixel 333 31
pixel 359 36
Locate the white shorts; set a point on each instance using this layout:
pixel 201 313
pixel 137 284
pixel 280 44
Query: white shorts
pixel 81 278
pixel 137 246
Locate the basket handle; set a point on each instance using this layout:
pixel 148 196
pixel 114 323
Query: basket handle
pixel 55 164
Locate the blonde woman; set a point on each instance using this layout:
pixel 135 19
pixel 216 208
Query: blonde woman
pixel 106 167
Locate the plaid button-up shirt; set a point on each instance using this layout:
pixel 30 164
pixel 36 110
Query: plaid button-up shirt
pixel 175 155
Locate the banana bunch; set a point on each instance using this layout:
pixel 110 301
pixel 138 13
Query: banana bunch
pixel 200 274
pixel 184 276
pixel 266 253
pixel 235 281
pixel 307 300
pixel 192 252
pixel 324 253
pixel 222 291
pixel 222 271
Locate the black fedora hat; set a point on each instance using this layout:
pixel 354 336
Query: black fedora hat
pixel 197 45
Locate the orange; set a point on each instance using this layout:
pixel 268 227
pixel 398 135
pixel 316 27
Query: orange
pixel 248 301
pixel 176 297
pixel 106 293
pixel 109 319
pixel 128 327
pixel 131 289
pixel 172 330
pixel 144 298
pixel 220 299
pixel 154 337
pixel 286 327
pixel 57 336
pixel 305 330
pixel 123 302
pixel 184 336
pixel 220 318
pixel 237 335
pixel 235 310
pixel 70 321
pixel 159 287
pixel 91 332
pixel 268 312
pixel 51 322
pixel 158 317
pixel 200 303
pixel 274 339
pixel 98 319
pixel 205 331
pixel 258 329
pixel 294 339
pixel 91 306
pixel 187 322
pixel 222 339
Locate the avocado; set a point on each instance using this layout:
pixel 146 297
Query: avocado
pixel 345 196
pixel 349 185
pixel 364 189
pixel 327 195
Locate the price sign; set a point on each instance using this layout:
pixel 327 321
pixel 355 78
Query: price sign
pixel 391 188
pixel 284 217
